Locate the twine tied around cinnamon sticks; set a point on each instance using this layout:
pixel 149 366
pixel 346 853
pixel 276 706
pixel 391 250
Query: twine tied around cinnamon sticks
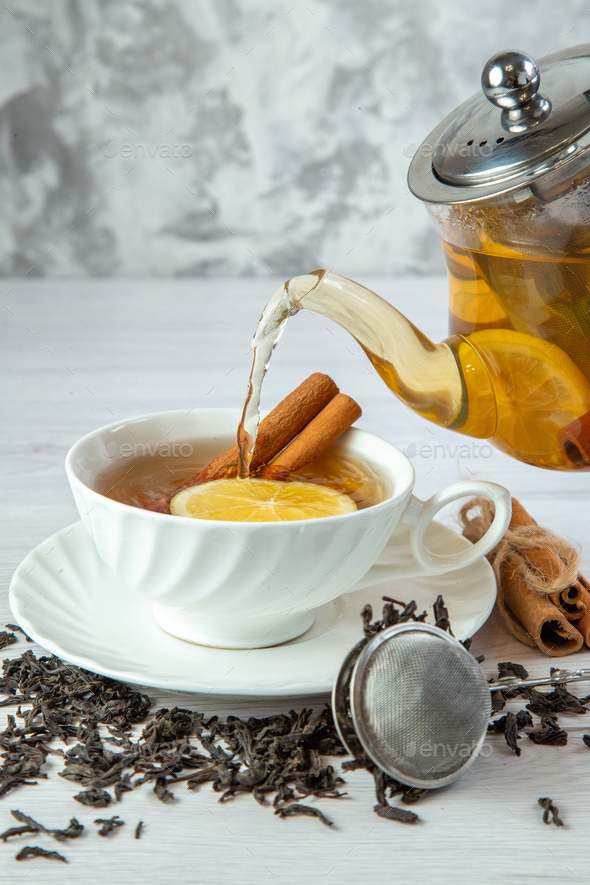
pixel 540 591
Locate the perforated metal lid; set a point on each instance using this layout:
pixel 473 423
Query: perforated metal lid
pixel 530 120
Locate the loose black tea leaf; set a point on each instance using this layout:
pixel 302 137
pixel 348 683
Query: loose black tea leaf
pixel 523 719
pixel 109 824
pixel 441 615
pixel 15 628
pixel 310 810
pixel 10 783
pixel 549 732
pixel 550 812
pixel 560 700
pixel 509 725
pixel 17 831
pixel 390 616
pixel 382 782
pixel 163 794
pixel 393 812
pixel 123 785
pixel 411 795
pixel 6 639
pixel 355 764
pixel 507 669
pixel 30 851
pixel 72 831
pixel 498 702
pixel 586 739
pixel 138 829
pixel 94 798
pixel 23 818
pixel 408 795
pixel 511 733
pixel 385 783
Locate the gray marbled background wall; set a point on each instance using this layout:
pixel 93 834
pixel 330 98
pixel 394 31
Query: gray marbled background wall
pixel 221 137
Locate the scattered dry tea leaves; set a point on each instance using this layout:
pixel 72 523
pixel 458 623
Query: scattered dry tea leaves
pixel 94 798
pixel 6 639
pixel 549 732
pixel 72 831
pixel 298 809
pixel 509 670
pixel 550 812
pixel 277 759
pixel 393 812
pixel 30 851
pixel 509 725
pixel 109 824
pixel 16 629
pixel 17 831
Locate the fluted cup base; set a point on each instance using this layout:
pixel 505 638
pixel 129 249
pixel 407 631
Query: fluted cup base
pixel 225 632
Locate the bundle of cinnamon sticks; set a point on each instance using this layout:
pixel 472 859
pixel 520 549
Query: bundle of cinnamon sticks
pixel 296 432
pixel 542 597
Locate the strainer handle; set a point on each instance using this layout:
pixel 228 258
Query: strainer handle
pixel 419 514
pixel 557 677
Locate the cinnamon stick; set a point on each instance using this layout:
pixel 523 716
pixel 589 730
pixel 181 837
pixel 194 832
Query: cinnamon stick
pixel 548 565
pixel 575 601
pixel 574 441
pixel 279 427
pixel 532 617
pixel 583 625
pixel 315 438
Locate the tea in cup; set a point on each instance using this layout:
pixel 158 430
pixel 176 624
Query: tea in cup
pixel 254 584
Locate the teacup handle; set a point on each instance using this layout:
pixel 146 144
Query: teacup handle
pixel 419 514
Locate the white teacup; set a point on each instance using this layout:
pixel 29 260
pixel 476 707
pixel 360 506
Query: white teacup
pixel 250 585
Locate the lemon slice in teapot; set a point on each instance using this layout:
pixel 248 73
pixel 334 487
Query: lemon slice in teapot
pixel 538 389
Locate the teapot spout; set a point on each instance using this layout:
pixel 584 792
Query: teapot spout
pixel 433 380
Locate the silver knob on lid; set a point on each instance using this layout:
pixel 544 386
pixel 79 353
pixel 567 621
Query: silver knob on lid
pixel 510 80
pixel 527 121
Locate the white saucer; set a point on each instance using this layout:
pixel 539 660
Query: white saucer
pixel 70 602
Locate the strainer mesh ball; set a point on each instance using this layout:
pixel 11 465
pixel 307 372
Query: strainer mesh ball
pixel 420 704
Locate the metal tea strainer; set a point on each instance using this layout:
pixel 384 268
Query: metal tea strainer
pixel 418 704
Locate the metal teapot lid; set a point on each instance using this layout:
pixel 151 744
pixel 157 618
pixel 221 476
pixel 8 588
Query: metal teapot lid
pixel 529 121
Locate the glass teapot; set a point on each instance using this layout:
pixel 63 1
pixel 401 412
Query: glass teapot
pixel 506 180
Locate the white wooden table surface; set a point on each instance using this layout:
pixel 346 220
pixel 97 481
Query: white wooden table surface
pixel 79 354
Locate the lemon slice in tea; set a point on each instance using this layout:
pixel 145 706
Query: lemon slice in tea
pixel 259 500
